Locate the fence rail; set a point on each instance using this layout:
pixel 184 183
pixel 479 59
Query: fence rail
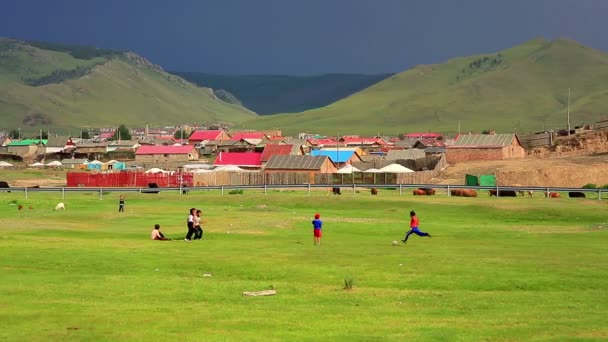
pixel 309 187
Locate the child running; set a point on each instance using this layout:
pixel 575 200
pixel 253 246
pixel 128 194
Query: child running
pixel 414 227
pixel 157 235
pixel 317 226
pixel 198 231
pixel 190 223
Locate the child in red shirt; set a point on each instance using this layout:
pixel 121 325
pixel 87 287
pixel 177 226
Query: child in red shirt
pixel 414 227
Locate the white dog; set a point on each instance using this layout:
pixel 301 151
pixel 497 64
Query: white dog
pixel 60 206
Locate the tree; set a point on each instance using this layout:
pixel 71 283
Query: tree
pixel 122 133
pixel 181 134
pixel 84 134
pixel 14 134
pixel 401 136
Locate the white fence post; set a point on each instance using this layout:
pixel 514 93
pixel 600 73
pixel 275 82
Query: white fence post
pixel 448 190
pixel 400 189
pixel 100 193
pixel 62 193
pixel 308 189
pixel 26 192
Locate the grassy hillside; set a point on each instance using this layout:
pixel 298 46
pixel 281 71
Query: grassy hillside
pixel 79 86
pixel 521 89
pixel 271 94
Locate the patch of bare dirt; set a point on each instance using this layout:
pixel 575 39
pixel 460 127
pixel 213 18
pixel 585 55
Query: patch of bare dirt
pixel 571 171
pixel 43 182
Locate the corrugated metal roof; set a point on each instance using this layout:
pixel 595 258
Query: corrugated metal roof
pixel 145 149
pixel 296 162
pixel 27 142
pixel 484 140
pixel 405 154
pixel 275 149
pixel 337 156
pixel 245 159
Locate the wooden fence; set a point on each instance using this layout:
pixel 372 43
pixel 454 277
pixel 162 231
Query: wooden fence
pixel 219 178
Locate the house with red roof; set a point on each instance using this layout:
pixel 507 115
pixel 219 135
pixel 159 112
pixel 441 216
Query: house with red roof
pixel 248 136
pixel 423 135
pixel 275 150
pixel 166 154
pixel 246 160
pixel 207 135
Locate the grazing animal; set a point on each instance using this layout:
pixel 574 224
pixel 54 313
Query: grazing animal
pixel 531 193
pixel 336 191
pixel 374 191
pixel 576 194
pixel 464 193
pixel 503 193
pixel 60 206
pixel 419 192
pixel 552 194
pixel 469 193
pixel 428 191
pixel 20 207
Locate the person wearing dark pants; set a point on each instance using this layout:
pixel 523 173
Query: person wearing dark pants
pixel 198 231
pixel 414 227
pixel 121 204
pixel 190 222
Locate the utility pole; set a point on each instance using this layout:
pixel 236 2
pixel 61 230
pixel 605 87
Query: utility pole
pixel 568 111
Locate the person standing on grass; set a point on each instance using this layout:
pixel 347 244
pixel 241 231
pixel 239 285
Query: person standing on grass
pixel 157 235
pixel 414 227
pixel 121 204
pixel 198 231
pixel 190 223
pixel 317 226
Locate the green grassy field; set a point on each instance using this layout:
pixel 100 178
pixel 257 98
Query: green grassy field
pixel 496 269
pixel 520 89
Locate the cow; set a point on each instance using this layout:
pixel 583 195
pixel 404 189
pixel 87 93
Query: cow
pixel 552 194
pixel 60 206
pixel 336 190
pixel 576 194
pixel 374 191
pixel 428 191
pixel 419 192
pixel 469 193
pixel 502 193
pixel 464 193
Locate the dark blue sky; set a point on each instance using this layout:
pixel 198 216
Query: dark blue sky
pixel 303 36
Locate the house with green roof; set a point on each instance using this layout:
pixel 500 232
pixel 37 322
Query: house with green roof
pixel 25 147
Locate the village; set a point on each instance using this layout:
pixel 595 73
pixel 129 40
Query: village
pixel 198 156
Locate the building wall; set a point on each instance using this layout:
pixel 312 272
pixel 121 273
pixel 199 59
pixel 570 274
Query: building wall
pixel 23 150
pixel 165 158
pixel 459 155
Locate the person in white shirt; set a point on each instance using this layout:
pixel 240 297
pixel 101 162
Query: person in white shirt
pixel 190 222
pixel 198 231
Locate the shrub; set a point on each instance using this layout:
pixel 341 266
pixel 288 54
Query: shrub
pixel 348 283
pixel 605 186
pixel 236 192
pixel 589 186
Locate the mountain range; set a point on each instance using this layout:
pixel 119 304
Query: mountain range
pixel 520 89
pixel 46 85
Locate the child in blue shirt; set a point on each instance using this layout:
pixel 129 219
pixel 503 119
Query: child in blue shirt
pixel 317 226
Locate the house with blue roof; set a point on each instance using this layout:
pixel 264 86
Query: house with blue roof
pixel 339 157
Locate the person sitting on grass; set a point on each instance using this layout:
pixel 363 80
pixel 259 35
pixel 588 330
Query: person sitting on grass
pixel 157 235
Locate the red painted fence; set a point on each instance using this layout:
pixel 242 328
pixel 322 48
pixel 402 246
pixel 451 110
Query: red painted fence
pixel 128 179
